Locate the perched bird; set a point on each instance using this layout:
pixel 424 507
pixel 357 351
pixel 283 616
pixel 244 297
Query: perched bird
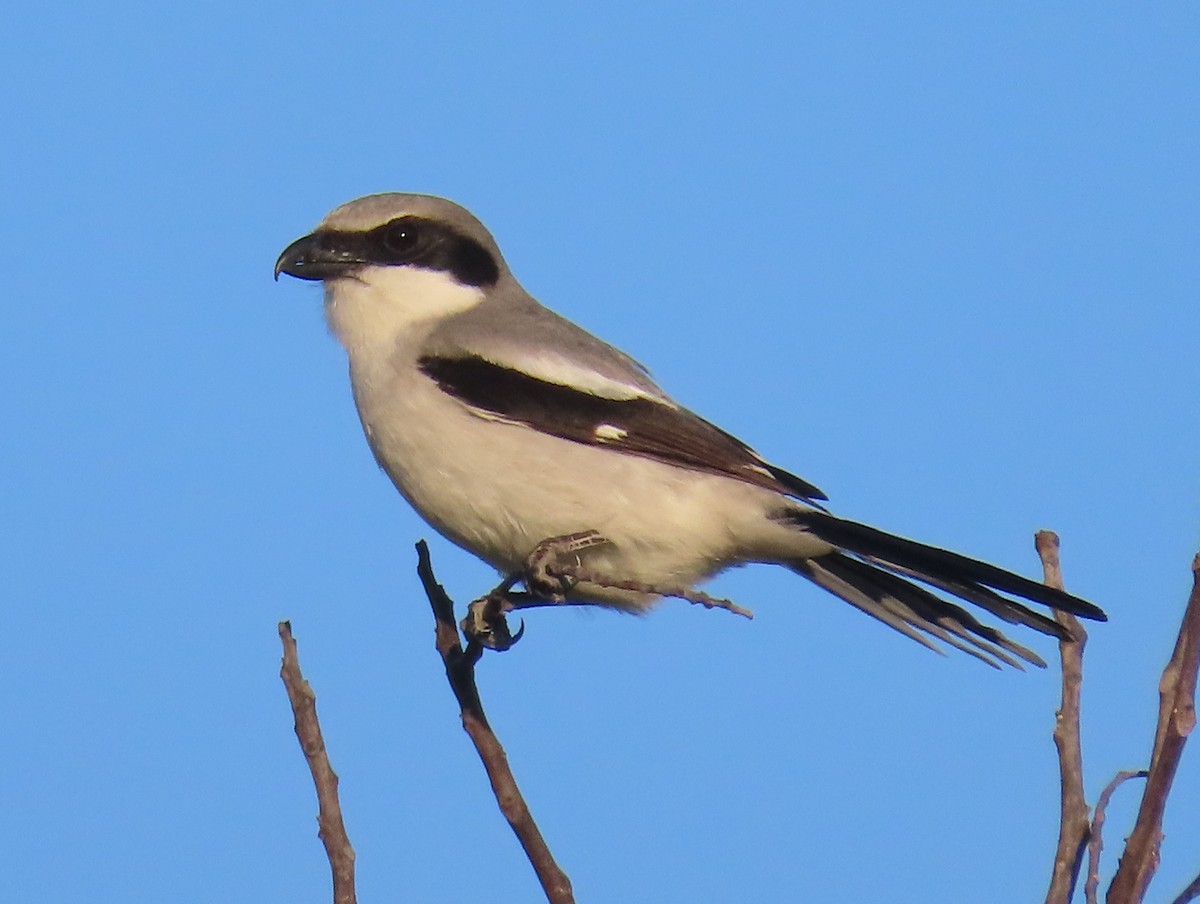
pixel 505 425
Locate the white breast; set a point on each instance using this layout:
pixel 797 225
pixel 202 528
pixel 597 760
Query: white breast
pixel 498 489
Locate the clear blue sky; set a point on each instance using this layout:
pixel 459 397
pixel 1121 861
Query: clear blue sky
pixel 941 261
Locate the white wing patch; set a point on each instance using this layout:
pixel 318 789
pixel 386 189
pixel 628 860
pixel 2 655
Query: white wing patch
pixel 608 433
pixel 494 417
pixel 554 368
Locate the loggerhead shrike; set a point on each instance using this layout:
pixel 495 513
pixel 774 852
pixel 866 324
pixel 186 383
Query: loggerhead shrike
pixel 505 425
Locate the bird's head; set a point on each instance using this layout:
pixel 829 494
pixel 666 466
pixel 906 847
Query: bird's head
pixel 391 260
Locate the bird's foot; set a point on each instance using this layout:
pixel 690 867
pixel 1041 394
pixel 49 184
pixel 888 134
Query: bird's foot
pixel 485 623
pixel 550 572
pixel 554 566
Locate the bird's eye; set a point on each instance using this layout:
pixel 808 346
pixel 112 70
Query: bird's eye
pixel 401 237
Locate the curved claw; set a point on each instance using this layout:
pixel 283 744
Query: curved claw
pixel 489 629
pixel 501 639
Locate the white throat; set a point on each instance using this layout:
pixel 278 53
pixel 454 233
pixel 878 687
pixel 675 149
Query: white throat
pixel 380 304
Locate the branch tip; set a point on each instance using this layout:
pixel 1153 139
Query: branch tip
pixel 332 831
pixel 1176 717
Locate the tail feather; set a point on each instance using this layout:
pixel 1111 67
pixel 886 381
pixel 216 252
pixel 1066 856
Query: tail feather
pixel 916 608
pixel 985 598
pixel 888 608
pixel 955 619
pixel 871 569
pixel 821 575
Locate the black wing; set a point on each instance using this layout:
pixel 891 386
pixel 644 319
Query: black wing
pixel 637 426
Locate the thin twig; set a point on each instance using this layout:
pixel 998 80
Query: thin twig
pixel 1176 719
pixel 329 814
pixel 1191 893
pixel 1073 822
pixel 460 671
pixel 1096 845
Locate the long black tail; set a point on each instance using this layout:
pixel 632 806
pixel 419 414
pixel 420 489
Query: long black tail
pixel 872 569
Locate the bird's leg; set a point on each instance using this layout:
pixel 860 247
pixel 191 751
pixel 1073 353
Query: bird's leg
pixel 551 571
pixel 548 575
pixel 697 597
pixel 552 568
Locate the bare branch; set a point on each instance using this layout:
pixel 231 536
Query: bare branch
pixel 1073 821
pixel 1096 845
pixel 329 815
pixel 460 671
pixel 1191 893
pixel 1176 719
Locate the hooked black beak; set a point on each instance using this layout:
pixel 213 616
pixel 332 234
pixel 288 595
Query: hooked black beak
pixel 318 256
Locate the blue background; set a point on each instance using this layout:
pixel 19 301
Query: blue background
pixel 941 260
